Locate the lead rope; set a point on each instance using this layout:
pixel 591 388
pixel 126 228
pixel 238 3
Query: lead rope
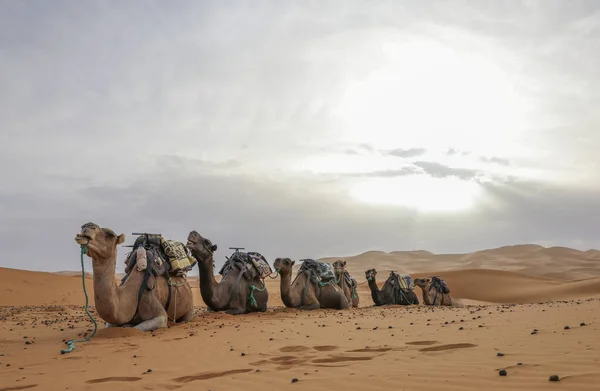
pixel 71 343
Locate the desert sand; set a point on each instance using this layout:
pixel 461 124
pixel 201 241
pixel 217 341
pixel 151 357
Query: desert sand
pixel 505 295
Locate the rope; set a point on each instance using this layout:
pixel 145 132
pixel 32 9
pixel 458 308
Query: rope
pixel 252 289
pixel 176 285
pixel 71 343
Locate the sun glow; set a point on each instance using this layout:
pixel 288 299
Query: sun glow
pixel 420 192
pixel 430 95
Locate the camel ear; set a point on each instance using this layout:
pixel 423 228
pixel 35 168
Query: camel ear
pixel 293 263
pixel 121 239
pixel 428 280
pixel 213 248
pixel 344 263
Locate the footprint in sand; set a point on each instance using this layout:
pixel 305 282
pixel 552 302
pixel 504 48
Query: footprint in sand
pixel 19 387
pixel 367 350
pixel 109 379
pixel 448 347
pixel 325 348
pixel 337 359
pixel 422 343
pixel 209 375
pixel 294 349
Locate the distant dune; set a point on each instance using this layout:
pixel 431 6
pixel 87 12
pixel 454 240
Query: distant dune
pixel 510 274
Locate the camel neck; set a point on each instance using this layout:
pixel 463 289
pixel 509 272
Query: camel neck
pixel 208 284
pixel 340 279
pixel 375 292
pixel 105 288
pixel 426 297
pixel 285 288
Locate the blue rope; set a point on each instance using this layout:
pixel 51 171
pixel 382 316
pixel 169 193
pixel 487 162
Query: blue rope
pixel 71 343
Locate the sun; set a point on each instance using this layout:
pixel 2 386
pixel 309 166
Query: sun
pixel 419 192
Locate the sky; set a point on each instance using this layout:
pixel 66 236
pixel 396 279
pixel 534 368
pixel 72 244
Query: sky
pixel 299 129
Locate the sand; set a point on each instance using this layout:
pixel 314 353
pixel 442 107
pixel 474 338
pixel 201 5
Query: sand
pixel 506 294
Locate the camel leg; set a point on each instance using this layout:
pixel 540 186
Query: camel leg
pixel 311 302
pixel 188 316
pixel 107 325
pixel 237 306
pixel 343 302
pixel 157 322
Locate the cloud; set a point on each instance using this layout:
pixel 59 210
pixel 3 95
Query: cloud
pixel 409 170
pixel 406 153
pixel 438 170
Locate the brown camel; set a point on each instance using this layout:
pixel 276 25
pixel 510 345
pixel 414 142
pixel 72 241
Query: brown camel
pixel 346 282
pixel 234 293
pixel 433 295
pixel 389 295
pixel 304 294
pixel 122 305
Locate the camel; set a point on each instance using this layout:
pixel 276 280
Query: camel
pixel 131 304
pixel 388 295
pixel 431 295
pixel 304 295
pixel 234 292
pixel 341 275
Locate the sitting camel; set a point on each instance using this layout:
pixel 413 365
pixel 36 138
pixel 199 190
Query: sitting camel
pixel 305 295
pixel 234 292
pixel 389 293
pixel 346 282
pixel 433 294
pixel 141 299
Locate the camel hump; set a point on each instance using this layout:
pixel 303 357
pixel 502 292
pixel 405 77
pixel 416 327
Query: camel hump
pixel 402 281
pixel 439 284
pixel 320 271
pixel 252 264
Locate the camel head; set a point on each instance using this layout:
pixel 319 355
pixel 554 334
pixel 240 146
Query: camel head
pixel 339 266
pixel 370 274
pixel 422 282
pixel 101 243
pixel 201 248
pixel 283 265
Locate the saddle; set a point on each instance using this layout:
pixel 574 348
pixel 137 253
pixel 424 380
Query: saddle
pixel 319 271
pixel 403 282
pixel 439 285
pixel 251 264
pixel 163 256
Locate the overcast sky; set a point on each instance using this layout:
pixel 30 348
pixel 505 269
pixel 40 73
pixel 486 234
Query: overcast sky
pixel 300 129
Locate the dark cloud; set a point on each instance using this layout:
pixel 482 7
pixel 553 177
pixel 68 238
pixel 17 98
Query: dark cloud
pixel 293 220
pixel 406 153
pixel 409 170
pixel 438 170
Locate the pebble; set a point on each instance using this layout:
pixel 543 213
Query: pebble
pixel 582 324
pixel 294 380
pixel 499 354
pixel 502 372
pixel 243 354
pixel 554 378
pixel 566 327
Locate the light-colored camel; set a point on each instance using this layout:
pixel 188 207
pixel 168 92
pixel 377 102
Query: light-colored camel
pixel 305 295
pixel 431 296
pixel 388 295
pixel 119 305
pixel 232 294
pixel 339 267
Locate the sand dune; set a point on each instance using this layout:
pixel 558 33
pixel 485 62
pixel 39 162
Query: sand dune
pixel 517 289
